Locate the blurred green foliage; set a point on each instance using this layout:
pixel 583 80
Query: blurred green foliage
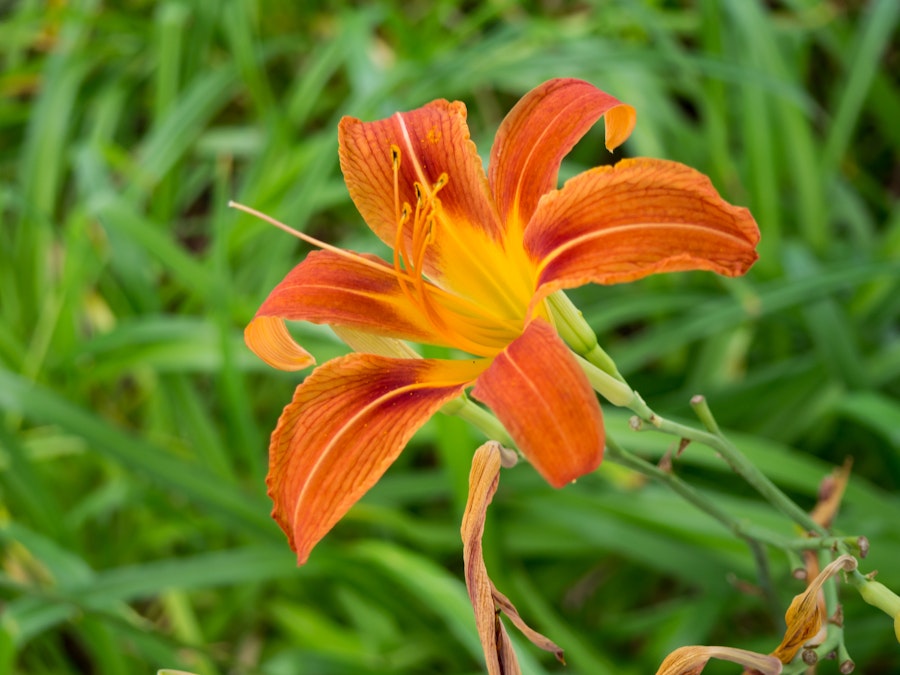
pixel 133 421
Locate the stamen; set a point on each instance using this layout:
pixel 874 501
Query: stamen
pixel 477 313
pixel 406 277
pixel 422 236
pixel 414 263
pixel 461 322
pixel 401 216
pixel 442 180
pixel 301 235
pixel 410 249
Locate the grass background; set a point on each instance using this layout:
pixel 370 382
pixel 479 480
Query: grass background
pixel 133 422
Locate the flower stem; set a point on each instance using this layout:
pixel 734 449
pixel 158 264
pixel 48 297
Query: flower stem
pixel 750 473
pixel 754 536
pixel 715 439
pixel 712 437
pixel 835 632
pixel 614 390
pixel 464 408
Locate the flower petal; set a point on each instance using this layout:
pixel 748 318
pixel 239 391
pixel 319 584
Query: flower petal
pixel 357 291
pixel 539 131
pixel 692 660
pixel 831 491
pixel 347 423
pixel 368 343
pixel 483 480
pixel 542 397
pixel 537 639
pixel 452 234
pixel 269 339
pixel 805 615
pixel 640 217
pixel 433 140
pixel 486 600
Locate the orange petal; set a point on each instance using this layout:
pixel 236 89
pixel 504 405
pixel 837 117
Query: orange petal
pixel 539 131
pixel 542 397
pixel 347 423
pixel 640 217
pixel 356 291
pixel 433 140
pixel 269 339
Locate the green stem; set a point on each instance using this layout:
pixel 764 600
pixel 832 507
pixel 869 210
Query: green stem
pixel 601 368
pixel 845 663
pixel 716 440
pixel 464 408
pixel 796 564
pixel 752 535
pixel 853 544
pixel 835 631
pixel 741 466
pixel 614 390
pixel 619 455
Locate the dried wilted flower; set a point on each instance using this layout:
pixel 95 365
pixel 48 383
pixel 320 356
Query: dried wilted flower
pixel 487 601
pixel 805 616
pixel 693 659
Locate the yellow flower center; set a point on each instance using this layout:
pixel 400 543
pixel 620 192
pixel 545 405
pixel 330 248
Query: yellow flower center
pixel 488 315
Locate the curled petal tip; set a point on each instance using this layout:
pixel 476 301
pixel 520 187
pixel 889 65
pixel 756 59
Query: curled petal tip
pixel 620 122
pixel 640 217
pixel 269 339
pixel 539 131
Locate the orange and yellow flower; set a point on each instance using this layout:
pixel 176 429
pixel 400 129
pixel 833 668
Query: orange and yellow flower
pixel 475 256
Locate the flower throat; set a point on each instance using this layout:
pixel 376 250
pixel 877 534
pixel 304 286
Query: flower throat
pixel 463 323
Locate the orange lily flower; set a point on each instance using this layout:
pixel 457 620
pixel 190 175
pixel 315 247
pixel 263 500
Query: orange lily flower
pixel 475 256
